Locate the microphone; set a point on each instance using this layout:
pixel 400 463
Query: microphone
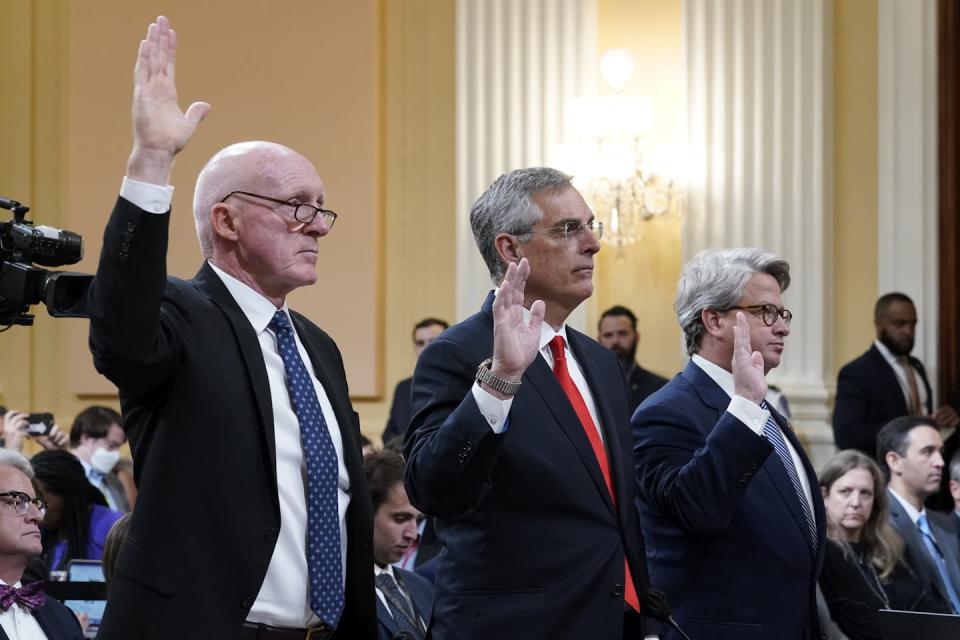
pixel 654 605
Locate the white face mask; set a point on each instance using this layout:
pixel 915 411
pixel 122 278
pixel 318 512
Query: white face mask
pixel 103 460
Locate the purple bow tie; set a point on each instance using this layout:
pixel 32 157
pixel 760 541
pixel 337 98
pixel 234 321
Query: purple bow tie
pixel 30 595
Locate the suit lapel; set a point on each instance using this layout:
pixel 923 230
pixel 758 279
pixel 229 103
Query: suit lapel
pixel 210 284
pixel 386 619
pixel 888 384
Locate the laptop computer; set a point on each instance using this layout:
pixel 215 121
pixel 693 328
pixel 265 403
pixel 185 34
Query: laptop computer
pixel 78 573
pixel 915 625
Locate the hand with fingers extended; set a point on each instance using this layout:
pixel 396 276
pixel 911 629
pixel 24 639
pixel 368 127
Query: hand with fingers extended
pixel 160 128
pixel 749 380
pixel 516 342
pixel 14 429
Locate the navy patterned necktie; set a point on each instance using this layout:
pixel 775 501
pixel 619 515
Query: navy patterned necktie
pixel 771 431
pixel 323 515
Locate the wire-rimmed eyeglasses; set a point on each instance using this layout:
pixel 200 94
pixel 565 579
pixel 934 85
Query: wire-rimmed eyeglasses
pixel 768 313
pixel 302 212
pixel 572 229
pixel 20 502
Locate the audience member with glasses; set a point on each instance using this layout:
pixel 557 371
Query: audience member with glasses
pixel 77 517
pixel 228 395
pixel 727 495
pixel 25 610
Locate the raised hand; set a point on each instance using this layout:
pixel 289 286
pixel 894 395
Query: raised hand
pixel 160 128
pixel 747 366
pixel 515 342
pixel 946 417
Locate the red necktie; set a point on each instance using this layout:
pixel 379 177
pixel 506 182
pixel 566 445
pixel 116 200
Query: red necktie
pixel 593 435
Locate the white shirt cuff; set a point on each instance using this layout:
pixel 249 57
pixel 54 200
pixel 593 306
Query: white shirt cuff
pixel 149 197
pixel 493 409
pixel 749 413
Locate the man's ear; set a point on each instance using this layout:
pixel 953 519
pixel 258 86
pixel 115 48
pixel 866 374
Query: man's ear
pixel 508 248
pixel 223 222
pixel 893 462
pixel 711 322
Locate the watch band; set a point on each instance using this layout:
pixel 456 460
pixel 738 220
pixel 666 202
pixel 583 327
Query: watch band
pixel 486 376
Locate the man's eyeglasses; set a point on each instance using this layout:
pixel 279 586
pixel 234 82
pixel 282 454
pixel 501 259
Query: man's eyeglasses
pixel 769 313
pixel 20 502
pixel 303 213
pixel 573 229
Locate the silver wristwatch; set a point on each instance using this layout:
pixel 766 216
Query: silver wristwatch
pixel 486 376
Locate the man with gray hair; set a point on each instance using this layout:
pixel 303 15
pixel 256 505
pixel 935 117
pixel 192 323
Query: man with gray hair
pixel 253 518
pixel 519 444
pixel 731 515
pixel 25 611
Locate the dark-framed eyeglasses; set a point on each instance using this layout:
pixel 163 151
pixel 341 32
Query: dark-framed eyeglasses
pixel 302 212
pixel 768 313
pixel 20 502
pixel 573 229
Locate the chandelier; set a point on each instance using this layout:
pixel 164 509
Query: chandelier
pixel 626 184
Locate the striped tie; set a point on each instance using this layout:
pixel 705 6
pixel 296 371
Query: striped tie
pixel 771 431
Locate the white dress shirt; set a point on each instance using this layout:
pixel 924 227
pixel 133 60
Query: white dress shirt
pixel 902 373
pixel 284 596
pixel 18 622
pixel 752 415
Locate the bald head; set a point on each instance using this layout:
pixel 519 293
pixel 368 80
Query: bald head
pixel 254 166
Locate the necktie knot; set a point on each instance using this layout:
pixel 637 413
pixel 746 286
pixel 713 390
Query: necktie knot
pixel 556 348
pixel 279 322
pixel 30 595
pixel 923 525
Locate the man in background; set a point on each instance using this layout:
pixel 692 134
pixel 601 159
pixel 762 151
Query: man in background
pixel 910 451
pixel 424 332
pixel 95 439
pixel 404 599
pixel 617 331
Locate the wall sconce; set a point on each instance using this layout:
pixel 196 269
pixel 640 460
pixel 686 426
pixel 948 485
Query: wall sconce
pixel 606 152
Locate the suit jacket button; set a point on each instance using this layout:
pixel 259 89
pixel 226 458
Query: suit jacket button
pixel 617 590
pixel 271 535
pixel 246 603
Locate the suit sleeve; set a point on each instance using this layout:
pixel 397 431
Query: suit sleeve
pixel 698 481
pixel 851 410
pixel 133 335
pixel 450 448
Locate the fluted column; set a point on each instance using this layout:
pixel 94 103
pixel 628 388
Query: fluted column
pixel 907 217
pixel 519 63
pixel 759 126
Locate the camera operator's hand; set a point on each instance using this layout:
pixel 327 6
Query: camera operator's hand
pixel 56 439
pixel 160 128
pixel 14 430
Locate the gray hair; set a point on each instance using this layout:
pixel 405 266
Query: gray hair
pixel 955 467
pixel 715 279
pixel 15 459
pixel 507 206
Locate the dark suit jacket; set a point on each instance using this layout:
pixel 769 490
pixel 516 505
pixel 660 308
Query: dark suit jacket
pixel 399 411
pixel 869 395
pixel 421 593
pixel 534 546
pixel 642 383
pixel 916 551
pixel 57 622
pixel 726 536
pixel 196 403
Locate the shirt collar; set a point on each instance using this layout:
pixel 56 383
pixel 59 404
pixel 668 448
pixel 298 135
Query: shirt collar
pixel 377 570
pixel 258 310
pixel 718 374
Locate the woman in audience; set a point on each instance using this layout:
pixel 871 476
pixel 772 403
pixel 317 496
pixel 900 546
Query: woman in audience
pixel 863 569
pixel 77 519
pixel 111 548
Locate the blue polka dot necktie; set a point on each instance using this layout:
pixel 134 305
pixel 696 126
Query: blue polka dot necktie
pixel 323 519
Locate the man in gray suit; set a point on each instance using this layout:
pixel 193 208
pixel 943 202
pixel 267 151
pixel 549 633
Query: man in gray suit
pixel 910 450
